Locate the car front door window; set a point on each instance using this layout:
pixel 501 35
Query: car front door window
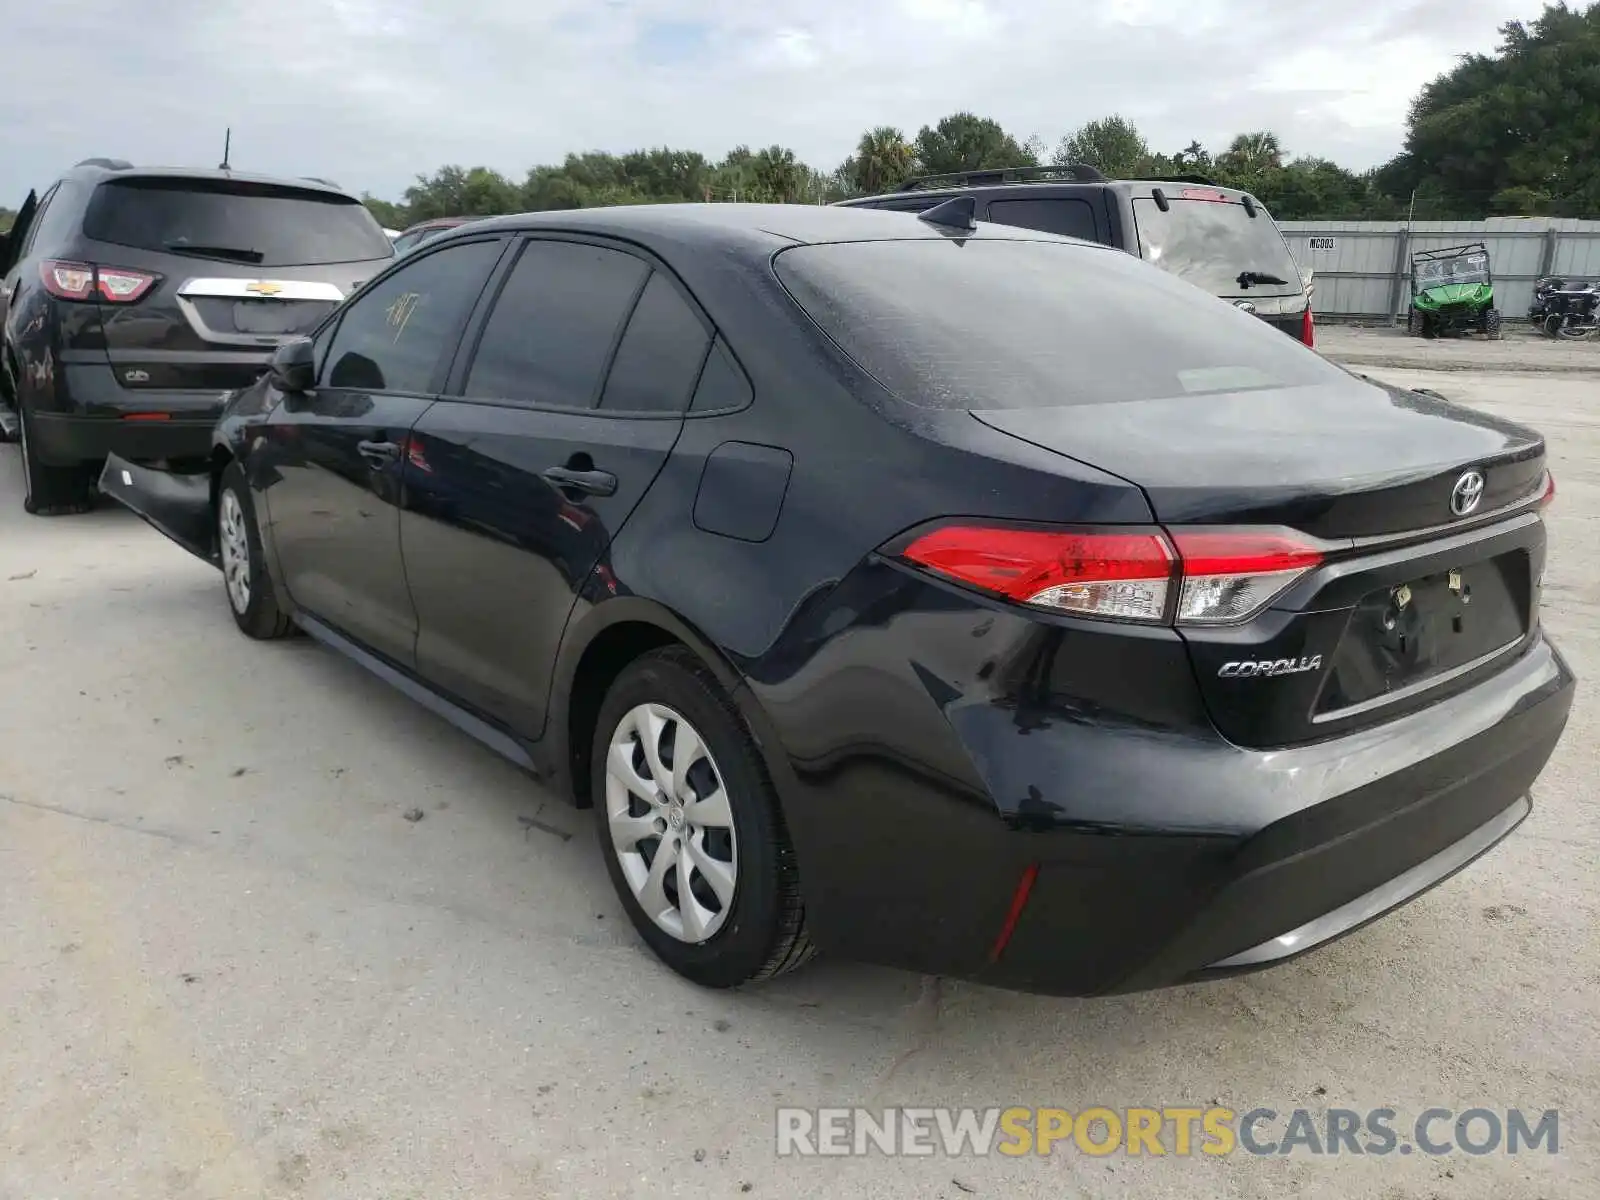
pixel 392 338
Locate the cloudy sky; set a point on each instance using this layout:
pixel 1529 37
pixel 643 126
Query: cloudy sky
pixel 371 92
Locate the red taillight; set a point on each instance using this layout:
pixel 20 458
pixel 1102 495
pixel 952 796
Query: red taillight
pixel 1122 573
pixel 66 280
pixel 120 286
pixel 83 281
pixel 1548 497
pixel 147 416
pixel 1308 332
pixel 1220 576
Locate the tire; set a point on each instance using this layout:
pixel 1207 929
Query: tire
pixel 1492 326
pixel 1552 325
pixel 52 491
pixel 245 582
pixel 8 392
pixel 1413 323
pixel 757 929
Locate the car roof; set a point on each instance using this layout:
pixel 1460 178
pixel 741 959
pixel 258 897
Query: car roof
pixel 761 228
pixel 97 171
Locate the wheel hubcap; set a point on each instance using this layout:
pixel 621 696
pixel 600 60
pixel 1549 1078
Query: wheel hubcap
pixel 235 545
pixel 670 821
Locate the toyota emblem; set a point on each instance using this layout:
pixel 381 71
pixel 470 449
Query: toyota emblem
pixel 1467 494
pixel 1244 305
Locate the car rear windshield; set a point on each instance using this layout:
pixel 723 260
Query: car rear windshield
pixel 1211 244
pixel 989 323
pixel 232 220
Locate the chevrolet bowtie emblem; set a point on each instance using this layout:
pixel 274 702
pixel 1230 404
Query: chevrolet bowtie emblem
pixel 263 289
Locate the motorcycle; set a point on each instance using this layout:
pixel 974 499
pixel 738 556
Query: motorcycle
pixel 1563 311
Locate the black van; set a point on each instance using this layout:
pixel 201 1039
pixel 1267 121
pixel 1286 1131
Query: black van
pixel 1217 238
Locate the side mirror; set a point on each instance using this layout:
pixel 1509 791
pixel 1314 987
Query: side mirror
pixel 294 366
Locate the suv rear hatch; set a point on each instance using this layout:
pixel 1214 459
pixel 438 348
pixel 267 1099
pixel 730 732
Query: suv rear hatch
pixel 1337 552
pixel 214 273
pixel 1209 237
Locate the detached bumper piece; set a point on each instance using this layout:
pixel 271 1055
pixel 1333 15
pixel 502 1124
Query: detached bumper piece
pixel 177 506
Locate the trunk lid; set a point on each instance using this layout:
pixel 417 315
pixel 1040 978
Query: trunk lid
pixel 1414 599
pixel 1349 459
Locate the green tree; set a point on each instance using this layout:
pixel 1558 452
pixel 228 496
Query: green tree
pixel 883 160
pixel 966 142
pixel 388 214
pixel 1111 144
pixel 458 192
pixel 1517 131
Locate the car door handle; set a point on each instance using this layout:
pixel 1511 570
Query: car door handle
pixel 379 453
pixel 594 483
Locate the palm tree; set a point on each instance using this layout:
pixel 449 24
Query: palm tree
pixel 884 159
pixel 1252 153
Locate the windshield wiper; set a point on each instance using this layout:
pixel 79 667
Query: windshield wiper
pixel 232 253
pixel 1246 278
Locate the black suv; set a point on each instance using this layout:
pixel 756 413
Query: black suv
pixel 135 299
pixel 1219 239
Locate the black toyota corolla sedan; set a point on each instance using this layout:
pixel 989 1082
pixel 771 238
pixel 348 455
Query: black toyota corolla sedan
pixel 951 596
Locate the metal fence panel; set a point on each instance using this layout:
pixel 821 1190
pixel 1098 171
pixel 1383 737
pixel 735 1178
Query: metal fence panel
pixel 1362 268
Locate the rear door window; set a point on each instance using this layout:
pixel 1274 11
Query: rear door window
pixel 1067 217
pixel 393 336
pixel 1210 243
pixel 554 324
pixel 1013 323
pixel 266 225
pixel 660 355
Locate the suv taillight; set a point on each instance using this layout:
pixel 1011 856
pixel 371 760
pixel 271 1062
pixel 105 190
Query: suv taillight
pixel 1146 574
pixel 85 281
pixel 1308 333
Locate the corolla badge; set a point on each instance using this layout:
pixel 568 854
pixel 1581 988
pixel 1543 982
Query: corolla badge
pixel 1467 494
pixel 1244 306
pixel 1268 668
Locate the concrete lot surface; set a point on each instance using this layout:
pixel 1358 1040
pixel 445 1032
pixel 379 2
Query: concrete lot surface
pixel 232 967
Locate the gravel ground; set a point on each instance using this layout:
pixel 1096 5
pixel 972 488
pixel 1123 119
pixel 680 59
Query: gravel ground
pixel 233 967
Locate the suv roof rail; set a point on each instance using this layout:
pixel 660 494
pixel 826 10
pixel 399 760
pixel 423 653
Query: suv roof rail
pixel 110 164
pixel 1200 179
pixel 319 179
pixel 1075 172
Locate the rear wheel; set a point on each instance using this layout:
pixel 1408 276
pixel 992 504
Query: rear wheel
pixel 52 491
pixel 690 827
pixel 1414 323
pixel 244 574
pixel 1492 325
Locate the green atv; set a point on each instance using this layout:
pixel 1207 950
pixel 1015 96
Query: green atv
pixel 1452 293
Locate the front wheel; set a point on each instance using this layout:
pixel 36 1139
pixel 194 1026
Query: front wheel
pixel 690 828
pixel 1492 325
pixel 244 573
pixel 52 491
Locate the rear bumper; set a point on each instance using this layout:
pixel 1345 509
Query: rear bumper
pixel 141 425
pixel 1075 852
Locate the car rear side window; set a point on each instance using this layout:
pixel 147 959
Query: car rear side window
pixel 723 384
pixel 661 353
pixel 266 225
pixel 990 323
pixel 554 324
pixel 392 337
pixel 1070 218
